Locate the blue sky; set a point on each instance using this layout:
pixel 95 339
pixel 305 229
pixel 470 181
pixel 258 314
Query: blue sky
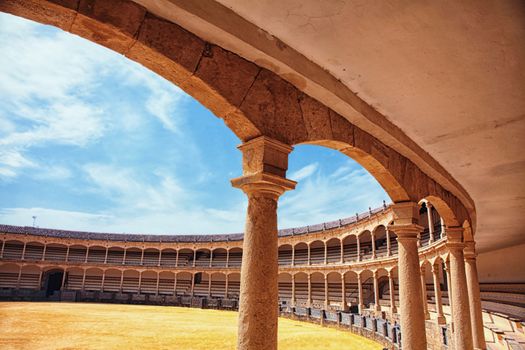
pixel 92 141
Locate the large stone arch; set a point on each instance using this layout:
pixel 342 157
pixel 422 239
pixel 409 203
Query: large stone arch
pixel 251 100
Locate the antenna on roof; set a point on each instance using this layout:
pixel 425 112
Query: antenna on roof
pixel 34 220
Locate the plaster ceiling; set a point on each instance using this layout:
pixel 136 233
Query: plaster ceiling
pixel 449 74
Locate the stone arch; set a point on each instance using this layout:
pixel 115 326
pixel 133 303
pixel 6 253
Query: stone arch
pixel 148 282
pixel 218 284
pixel 151 257
pixel 115 255
pixel 317 252
pixel 96 254
pixel 285 254
pixel 112 280
pixel 168 258
pixel 285 288
pixel 333 250
pixel 301 253
pixel 93 280
pixel 30 277
pixel 251 100
pixel 219 257
pixel 34 250
pixel 335 288
pixel 77 252
pixel 13 249
pixel 301 288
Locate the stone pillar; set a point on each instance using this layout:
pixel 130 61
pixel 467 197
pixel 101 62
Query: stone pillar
pixel 160 257
pixel 140 281
pixel 227 258
pixel 393 308
pixel 437 292
pixel 209 285
pixel 430 223
pixel 361 306
pixel 449 293
pixel 103 280
pixel 67 254
pixel 326 297
pixel 342 252
pixel 443 227
pixel 309 302
pixel 175 285
pixel 24 251
pixel 226 287
pixel 388 246
pixel 44 252
pixel 344 304
pixel 293 255
pixel 309 261
pixel 373 237
pixel 2 251
pixel 40 279
pixel 265 162
pixel 410 296
pixel 292 302
pixel 63 280
pixel 83 279
pixel 87 254
pixel 124 258
pixel 377 306
pixel 19 277
pixel 177 258
pixel 194 256
pixel 424 293
pixel 211 258
pixel 461 314
pixel 142 256
pixel 325 253
pixel 192 283
pixel 358 249
pixel 476 316
pixel 106 256
pixel 158 283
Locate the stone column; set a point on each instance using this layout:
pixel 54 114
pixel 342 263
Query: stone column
pixel 106 256
pixel 410 296
pixel 24 251
pixel 67 254
pixel 437 292
pixel 293 255
pixel 121 280
pixel 160 257
pixel 309 302
pixel 292 302
pixel 309 261
pixel 373 237
pixel 19 277
pixel 449 293
pixel 63 280
pixel 142 257
pixel 158 283
pixel 344 304
pixel 461 314
pixel 358 249
pixel 430 223
pixel 209 285
pixel 87 254
pixel 192 284
pixel 194 256
pixel 377 306
pixel 103 280
pixel 361 306
pixel 388 247
pixel 227 258
pixel 443 227
pixel 393 308
pixel 124 258
pixel 265 162
pixel 211 258
pixel 424 293
pixel 326 297
pixel 83 279
pixel 40 279
pixel 175 285
pixel 44 252
pixel 476 316
pixel 325 253
pixel 226 287
pixel 177 258
pixel 342 252
pixel 140 281
pixel 2 251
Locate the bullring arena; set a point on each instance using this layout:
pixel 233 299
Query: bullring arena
pixel 407 275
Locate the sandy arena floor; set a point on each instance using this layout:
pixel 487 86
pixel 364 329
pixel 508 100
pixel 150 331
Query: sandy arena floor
pixel 103 326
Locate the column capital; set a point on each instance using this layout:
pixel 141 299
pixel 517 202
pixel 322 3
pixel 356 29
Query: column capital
pixel 264 165
pixel 405 213
pixel 406 232
pixel 455 238
pixel 469 252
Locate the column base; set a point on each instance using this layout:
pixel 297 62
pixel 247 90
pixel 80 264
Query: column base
pixel 441 320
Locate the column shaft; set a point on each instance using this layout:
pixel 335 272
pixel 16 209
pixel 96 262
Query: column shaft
pixel 437 293
pixel 476 315
pixel 377 306
pixel 424 293
pixel 393 308
pixel 361 306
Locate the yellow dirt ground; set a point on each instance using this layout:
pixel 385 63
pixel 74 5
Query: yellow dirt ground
pixel 102 326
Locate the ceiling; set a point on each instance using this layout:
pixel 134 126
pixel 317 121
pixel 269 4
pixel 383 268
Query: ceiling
pixel 449 74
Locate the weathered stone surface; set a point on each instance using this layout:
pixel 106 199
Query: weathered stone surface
pixel 316 118
pixel 272 104
pixel 167 49
pixel 221 80
pixel 53 13
pixel 342 129
pixel 113 24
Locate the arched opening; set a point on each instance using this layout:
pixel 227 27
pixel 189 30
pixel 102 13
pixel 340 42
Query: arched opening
pixel 218 285
pixel 350 248
pixel 219 257
pixel 133 256
pixel 184 283
pixel 285 255
pixel 166 283
pixel 285 289
pixel 317 252
pixel 77 253
pixel 30 277
pixel 53 281
pixel 351 290
pixel 112 280
pixel 365 245
pixel 185 257
pixel 318 290
pixel 9 275
pixel 115 255
pixel 34 251
pixel 202 257
pixel 235 257
pixel 380 240
pixel 301 254
pixel 13 250
pixel 168 258
pixel 96 254
pixel 151 257
pixel 301 289
pixel 333 250
pixel 334 291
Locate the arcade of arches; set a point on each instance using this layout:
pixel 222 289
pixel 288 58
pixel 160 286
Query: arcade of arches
pixel 407 269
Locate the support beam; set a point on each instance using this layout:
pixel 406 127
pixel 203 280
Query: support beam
pixel 265 162
pixel 410 294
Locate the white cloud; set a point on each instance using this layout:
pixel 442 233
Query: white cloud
pixel 304 172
